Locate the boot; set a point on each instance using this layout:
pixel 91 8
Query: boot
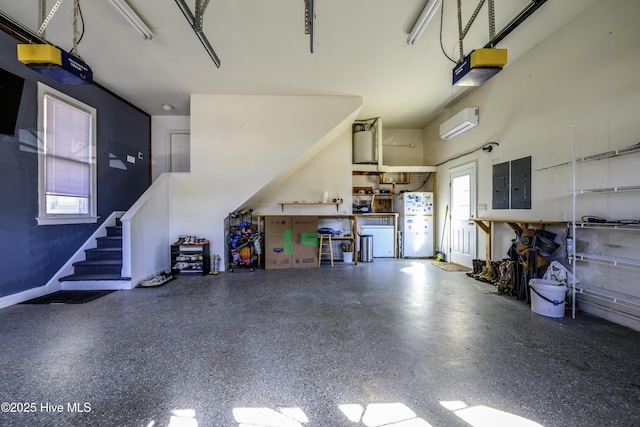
pixel 491 274
pixel 505 277
pixel 481 269
pixel 483 272
pixel 499 267
pixel 496 272
pixel 477 268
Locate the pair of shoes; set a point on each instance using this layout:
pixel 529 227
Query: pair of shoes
pixel 158 280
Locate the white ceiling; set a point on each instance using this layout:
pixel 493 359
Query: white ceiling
pixel 360 49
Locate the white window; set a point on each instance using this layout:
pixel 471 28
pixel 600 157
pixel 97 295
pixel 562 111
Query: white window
pixel 66 161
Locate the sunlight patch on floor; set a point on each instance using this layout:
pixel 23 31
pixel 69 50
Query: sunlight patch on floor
pixel 183 418
pixel 267 417
pixel 392 414
pixel 484 416
pixel 416 268
pixel 383 415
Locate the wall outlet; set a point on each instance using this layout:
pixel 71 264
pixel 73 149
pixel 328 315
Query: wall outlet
pixel 482 206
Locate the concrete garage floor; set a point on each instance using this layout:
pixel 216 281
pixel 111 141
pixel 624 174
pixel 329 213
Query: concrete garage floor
pixel 390 343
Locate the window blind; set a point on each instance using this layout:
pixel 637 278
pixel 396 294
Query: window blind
pixel 67 149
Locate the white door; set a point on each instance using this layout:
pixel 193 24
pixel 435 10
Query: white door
pixel 180 152
pixel 462 249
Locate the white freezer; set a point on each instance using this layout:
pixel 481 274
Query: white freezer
pixel 383 240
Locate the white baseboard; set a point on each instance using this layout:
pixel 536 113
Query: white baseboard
pixel 23 296
pixel 54 285
pixel 97 285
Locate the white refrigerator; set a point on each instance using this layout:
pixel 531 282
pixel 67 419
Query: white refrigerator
pixel 416 223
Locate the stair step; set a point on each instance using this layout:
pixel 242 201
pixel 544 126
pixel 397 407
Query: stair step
pixel 103 253
pixel 92 277
pixel 103 263
pixel 109 241
pixel 114 231
pixel 100 266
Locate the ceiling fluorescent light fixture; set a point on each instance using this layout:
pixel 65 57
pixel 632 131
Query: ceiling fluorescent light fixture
pixel 133 18
pixel 422 22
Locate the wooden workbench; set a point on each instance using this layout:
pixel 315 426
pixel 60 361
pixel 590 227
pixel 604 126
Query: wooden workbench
pixel 385 215
pixel 486 225
pixel 351 238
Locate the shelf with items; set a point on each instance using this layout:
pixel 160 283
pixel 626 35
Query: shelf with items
pixel 579 226
pixel 243 240
pixel 375 169
pixel 601 224
pixel 191 256
pixel 622 226
pixel 607 259
pixel 336 202
pixel 370 191
pixel 395 178
pixel 608 190
pixel 372 194
pixel 370 200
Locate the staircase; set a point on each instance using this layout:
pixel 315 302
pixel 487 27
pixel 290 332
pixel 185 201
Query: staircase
pixel 102 266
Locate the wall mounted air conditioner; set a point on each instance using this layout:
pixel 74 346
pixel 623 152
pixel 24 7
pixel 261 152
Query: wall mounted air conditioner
pixel 460 123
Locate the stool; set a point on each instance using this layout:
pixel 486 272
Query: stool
pixel 325 243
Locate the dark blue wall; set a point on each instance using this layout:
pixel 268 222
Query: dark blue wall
pixel 31 254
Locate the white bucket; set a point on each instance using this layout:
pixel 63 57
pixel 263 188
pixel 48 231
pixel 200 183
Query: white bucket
pixel 347 256
pixel 548 297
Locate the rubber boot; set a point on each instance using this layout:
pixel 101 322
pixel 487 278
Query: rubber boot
pixel 476 268
pixel 491 274
pixel 485 271
pixel 481 269
pixel 496 272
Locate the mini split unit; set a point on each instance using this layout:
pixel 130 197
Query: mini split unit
pixel 460 123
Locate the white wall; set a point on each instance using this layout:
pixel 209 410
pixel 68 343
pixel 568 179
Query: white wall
pixel 329 170
pixel 584 75
pixel 161 127
pixel 396 149
pixel 145 230
pixel 243 145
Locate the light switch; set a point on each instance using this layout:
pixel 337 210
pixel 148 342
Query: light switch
pixel 131 159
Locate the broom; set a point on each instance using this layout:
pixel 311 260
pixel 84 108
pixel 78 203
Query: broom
pixel 440 255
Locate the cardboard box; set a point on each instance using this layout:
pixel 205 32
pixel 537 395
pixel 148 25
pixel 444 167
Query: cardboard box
pixel 305 241
pixel 277 242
